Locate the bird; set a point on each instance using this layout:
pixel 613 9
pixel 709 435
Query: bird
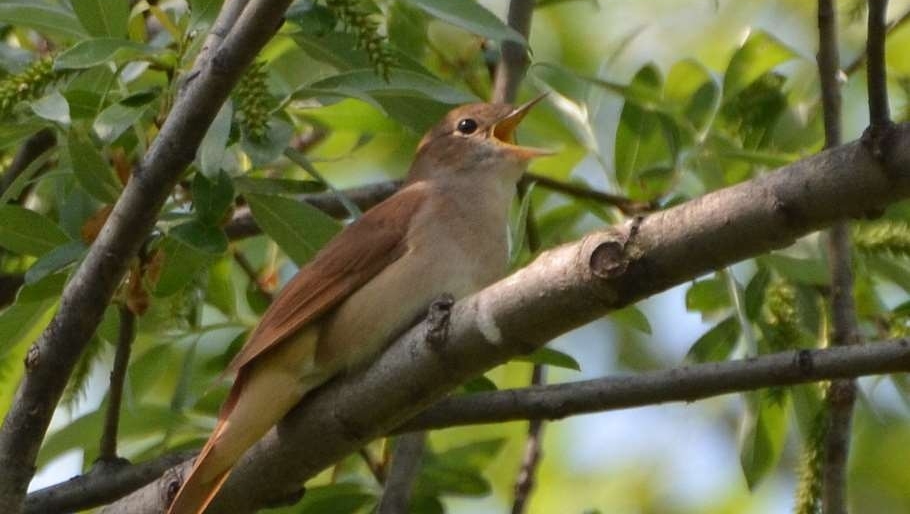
pixel 444 232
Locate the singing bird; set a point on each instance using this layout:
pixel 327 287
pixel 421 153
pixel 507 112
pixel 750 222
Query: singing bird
pixel 444 231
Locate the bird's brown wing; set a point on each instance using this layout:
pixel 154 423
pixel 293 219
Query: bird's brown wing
pixel 348 261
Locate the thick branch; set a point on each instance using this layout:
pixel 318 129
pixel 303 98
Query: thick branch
pixel 101 485
pixel 51 359
pixel 562 289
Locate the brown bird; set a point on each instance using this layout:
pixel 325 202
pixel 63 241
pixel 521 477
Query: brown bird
pixel 445 231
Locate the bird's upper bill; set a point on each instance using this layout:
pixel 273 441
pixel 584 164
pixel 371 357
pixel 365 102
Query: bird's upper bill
pixel 503 132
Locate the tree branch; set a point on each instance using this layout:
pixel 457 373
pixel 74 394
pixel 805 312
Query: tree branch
pixel 877 78
pixel 860 60
pixel 514 61
pixel 405 466
pixel 626 205
pixel 840 394
pixel 101 485
pixel 685 384
pixel 52 358
pixel 562 289
pixel 108 451
pixel 525 482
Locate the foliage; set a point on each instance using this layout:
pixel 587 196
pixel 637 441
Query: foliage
pixel 340 97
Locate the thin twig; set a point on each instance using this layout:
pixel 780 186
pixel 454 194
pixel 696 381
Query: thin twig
pixel 877 78
pixel 514 62
pixel 839 400
pixel 253 275
pixel 529 463
pixel 627 206
pixel 860 59
pixel 403 471
pixel 125 338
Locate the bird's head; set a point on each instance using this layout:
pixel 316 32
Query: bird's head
pixel 476 138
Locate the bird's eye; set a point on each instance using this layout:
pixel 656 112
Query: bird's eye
pixel 467 126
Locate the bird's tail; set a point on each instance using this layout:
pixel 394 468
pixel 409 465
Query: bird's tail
pixel 263 393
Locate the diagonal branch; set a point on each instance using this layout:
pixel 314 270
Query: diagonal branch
pixel 52 358
pixel 562 289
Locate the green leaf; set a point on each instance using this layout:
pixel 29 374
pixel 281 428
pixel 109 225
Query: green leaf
pixel 91 169
pixel 716 344
pixel 692 86
pixel 366 85
pixel 708 296
pixel 52 107
pixel 220 287
pixel 26 232
pixel 640 142
pixel 93 52
pixel 407 25
pixel 203 12
pixel 19 320
pixel 55 260
pixel 212 150
pixel 20 326
pixel 115 119
pixel 334 499
pixel 206 239
pixel 45 18
pixel 278 136
pixel 551 357
pixel 755 292
pixel 298 228
pixel 521 225
pixel 632 317
pixel 758 55
pixel 475 455
pixel 276 186
pixel 801 271
pixel 211 198
pixel 103 18
pixel 478 385
pixel 141 421
pixel 761 448
pixel 182 262
pixel 470 16
pixel 48 288
pixel 13 133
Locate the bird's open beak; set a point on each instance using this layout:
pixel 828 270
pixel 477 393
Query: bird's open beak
pixel 504 132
